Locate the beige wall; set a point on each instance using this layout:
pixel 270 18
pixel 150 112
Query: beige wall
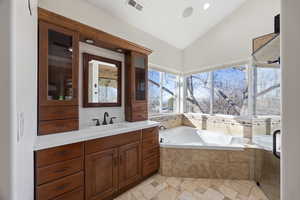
pixel 231 40
pixel 5 106
pixel 24 67
pixel 164 54
pixel 290 161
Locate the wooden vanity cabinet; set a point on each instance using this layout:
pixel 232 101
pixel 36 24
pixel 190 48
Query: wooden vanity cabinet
pixel 101 177
pixel 98 169
pixel 136 86
pixel 129 164
pixel 57 79
pixel 112 164
pixel 59 173
pixel 151 154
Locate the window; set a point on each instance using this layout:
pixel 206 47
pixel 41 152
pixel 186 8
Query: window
pixel 225 89
pixel 154 92
pixel 230 91
pixel 268 91
pixel 163 92
pixel 198 93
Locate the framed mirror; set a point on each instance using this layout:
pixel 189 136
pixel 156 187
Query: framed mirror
pixel 102 81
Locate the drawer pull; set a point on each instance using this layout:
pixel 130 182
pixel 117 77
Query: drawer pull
pixel 62 153
pixel 61 170
pixel 62 187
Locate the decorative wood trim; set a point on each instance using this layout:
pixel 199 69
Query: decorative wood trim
pixel 101 38
pixel 258 42
pixel 86 59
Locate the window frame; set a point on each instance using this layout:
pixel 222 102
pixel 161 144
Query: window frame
pixel 161 88
pixel 251 73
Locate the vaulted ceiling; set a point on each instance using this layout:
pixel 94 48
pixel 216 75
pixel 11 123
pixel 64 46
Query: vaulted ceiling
pixel 164 18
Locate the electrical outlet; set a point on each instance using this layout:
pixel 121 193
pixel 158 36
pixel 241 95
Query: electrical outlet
pixel 20 133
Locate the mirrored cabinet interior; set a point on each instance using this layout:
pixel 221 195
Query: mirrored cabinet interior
pixel 58 79
pixel 136 86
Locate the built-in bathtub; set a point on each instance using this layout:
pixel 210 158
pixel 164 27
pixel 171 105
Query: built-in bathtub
pixel 192 138
pixel 193 153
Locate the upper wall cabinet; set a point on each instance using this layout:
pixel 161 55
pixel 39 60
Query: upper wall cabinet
pixel 136 86
pixel 58 79
pixel 58 65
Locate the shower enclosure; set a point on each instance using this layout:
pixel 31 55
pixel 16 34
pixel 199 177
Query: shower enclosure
pixel 266 64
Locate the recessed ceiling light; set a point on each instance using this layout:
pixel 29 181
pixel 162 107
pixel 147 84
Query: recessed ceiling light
pixel 188 12
pixel 206 6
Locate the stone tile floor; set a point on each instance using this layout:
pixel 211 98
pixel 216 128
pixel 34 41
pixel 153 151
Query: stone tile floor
pixel 159 187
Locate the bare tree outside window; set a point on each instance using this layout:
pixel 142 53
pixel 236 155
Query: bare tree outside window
pixel 198 93
pixel 163 91
pixel 231 91
pixel 268 91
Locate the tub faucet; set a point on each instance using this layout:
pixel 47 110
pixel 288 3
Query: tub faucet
pixel 162 127
pixel 104 119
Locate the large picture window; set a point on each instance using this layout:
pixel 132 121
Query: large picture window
pixel 198 93
pixel 163 92
pixel 226 91
pixel 230 89
pixel 268 91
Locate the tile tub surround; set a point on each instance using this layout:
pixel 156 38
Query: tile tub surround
pixel 204 163
pixel 168 120
pixel 236 126
pixel 160 187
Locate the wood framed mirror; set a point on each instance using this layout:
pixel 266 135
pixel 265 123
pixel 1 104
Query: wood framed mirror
pixel 102 81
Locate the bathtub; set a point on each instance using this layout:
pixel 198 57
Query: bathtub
pixel 192 153
pixel 192 138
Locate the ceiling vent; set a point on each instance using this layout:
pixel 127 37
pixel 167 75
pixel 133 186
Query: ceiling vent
pixel 135 4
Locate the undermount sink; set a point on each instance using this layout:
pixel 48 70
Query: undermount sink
pixel 110 126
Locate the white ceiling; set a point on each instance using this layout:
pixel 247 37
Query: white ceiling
pixel 163 18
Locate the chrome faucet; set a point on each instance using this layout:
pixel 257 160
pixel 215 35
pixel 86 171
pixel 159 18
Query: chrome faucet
pixel 104 119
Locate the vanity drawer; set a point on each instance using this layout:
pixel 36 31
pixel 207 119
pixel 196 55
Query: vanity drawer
pixel 150 133
pixel 57 126
pixel 62 169
pixel 139 115
pixel 58 154
pixel 111 141
pixel 139 107
pixel 59 187
pixel 150 165
pixel 58 112
pixel 150 143
pixel 77 194
pixel 150 152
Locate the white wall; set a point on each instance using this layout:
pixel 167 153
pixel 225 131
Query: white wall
pixel 87 114
pixel 290 161
pixel 5 105
pixel 164 54
pixel 231 40
pixel 24 68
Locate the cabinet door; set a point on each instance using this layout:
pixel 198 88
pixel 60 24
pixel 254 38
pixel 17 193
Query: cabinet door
pixel 58 65
pixel 101 171
pixel 130 164
pixel 140 68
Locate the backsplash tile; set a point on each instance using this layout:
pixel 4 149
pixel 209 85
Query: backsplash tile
pixel 87 114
